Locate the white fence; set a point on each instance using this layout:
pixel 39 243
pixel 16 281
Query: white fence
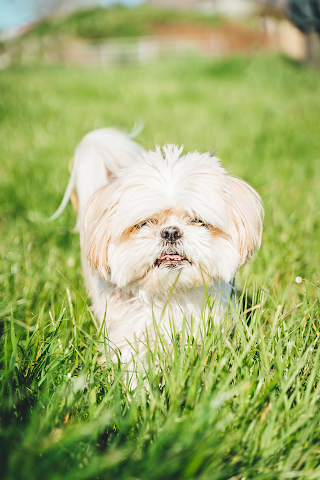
pixel 276 35
pixel 104 52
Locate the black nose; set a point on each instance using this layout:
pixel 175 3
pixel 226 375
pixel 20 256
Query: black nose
pixel 171 234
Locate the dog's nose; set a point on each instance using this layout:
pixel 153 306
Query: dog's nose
pixel 171 234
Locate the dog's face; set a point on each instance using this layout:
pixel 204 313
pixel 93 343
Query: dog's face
pixel 171 218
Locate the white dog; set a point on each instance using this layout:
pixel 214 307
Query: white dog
pixel 158 229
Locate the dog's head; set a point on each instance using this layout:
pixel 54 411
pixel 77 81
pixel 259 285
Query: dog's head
pixel 168 214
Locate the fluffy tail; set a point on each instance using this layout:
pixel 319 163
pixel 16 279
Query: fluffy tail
pixel 98 158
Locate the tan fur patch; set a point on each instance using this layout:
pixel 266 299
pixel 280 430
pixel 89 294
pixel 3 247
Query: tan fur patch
pixel 247 213
pixel 217 232
pixel 71 165
pixel 74 200
pixel 128 233
pixel 94 231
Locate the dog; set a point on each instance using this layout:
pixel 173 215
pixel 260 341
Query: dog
pixel 161 234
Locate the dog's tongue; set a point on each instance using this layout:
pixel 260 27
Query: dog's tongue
pixel 171 257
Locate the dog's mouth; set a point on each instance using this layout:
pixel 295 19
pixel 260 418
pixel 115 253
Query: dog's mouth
pixel 171 260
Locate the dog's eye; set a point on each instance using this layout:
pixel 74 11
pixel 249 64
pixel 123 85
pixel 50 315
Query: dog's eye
pixel 152 221
pixel 140 225
pixel 199 222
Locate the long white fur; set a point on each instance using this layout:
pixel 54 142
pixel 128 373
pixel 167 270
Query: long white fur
pixel 97 160
pixel 120 187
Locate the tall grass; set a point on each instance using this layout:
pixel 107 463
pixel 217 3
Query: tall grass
pixel 243 401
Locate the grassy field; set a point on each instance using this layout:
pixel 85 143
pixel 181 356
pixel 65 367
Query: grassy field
pixel 244 403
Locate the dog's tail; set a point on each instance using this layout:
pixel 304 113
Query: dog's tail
pixel 98 158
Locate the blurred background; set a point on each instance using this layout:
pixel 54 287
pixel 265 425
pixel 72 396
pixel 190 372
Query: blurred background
pixel 108 32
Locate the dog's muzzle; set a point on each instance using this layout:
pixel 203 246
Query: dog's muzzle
pixel 171 234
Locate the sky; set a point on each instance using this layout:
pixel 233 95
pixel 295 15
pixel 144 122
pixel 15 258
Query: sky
pixel 16 13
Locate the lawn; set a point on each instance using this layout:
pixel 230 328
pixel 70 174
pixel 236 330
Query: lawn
pixel 241 404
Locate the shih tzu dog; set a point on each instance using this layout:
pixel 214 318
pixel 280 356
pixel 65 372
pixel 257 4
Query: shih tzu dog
pixel 160 232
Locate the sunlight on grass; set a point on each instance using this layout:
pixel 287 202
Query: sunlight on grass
pixel 242 402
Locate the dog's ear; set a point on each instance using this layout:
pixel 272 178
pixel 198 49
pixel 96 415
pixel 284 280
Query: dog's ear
pixel 247 214
pixel 95 231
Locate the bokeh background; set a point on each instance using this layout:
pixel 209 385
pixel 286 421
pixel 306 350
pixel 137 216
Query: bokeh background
pixel 106 32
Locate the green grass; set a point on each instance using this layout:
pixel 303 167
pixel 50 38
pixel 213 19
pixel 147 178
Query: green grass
pixel 117 21
pixel 244 402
